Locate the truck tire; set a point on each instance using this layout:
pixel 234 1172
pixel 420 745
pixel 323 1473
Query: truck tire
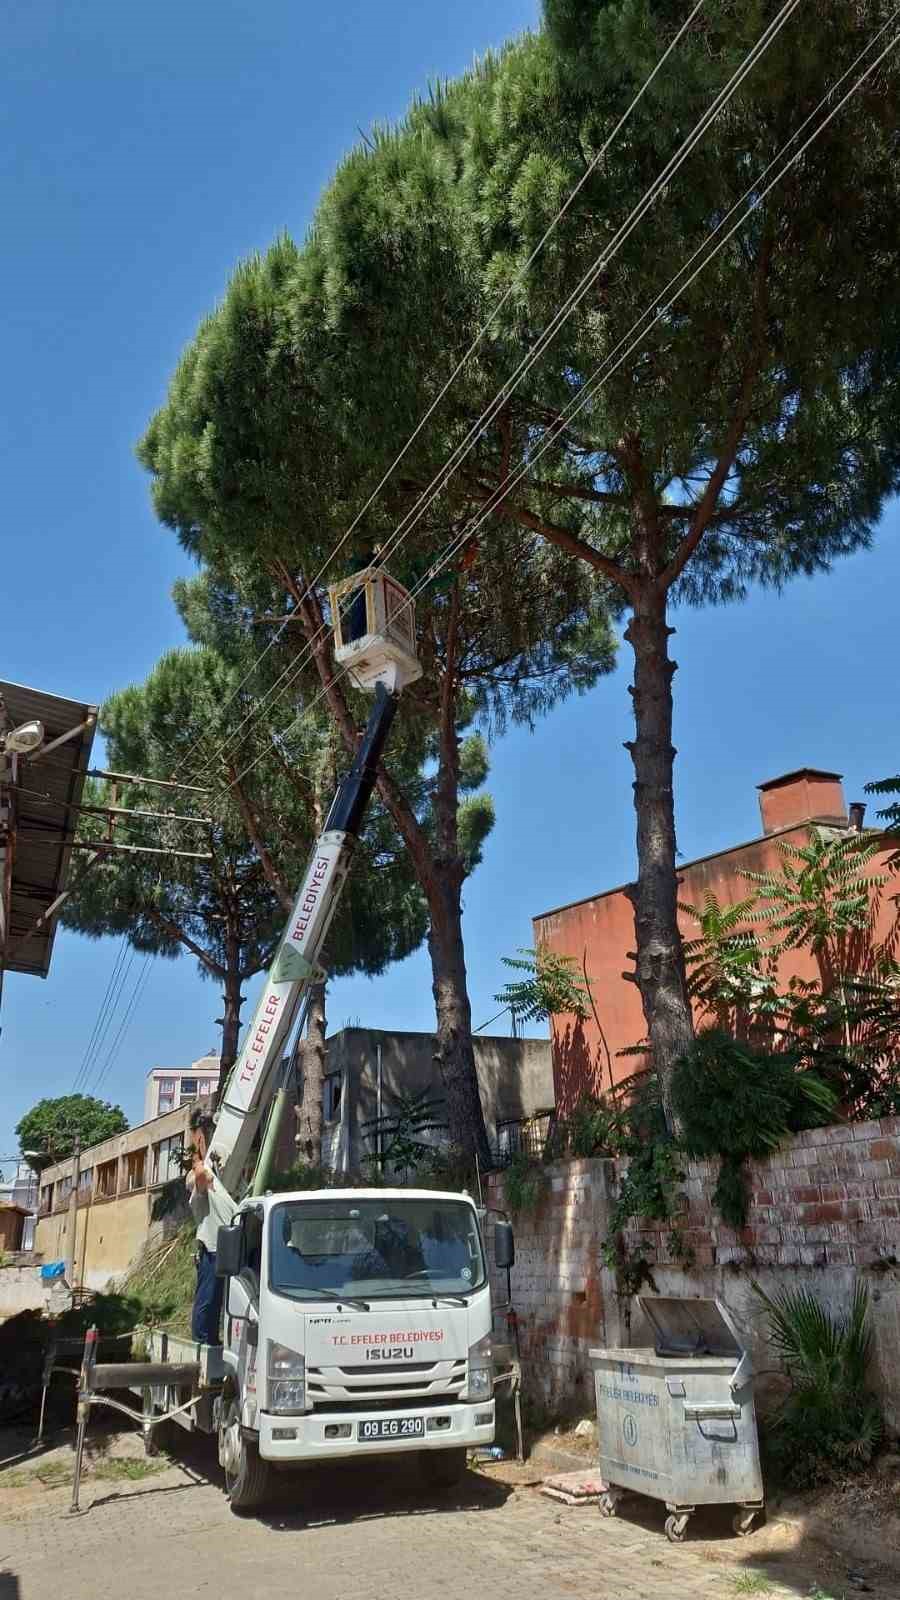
pixel 246 1474
pixel 444 1468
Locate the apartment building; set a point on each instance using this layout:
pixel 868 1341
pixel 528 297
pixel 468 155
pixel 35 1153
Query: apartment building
pixel 170 1087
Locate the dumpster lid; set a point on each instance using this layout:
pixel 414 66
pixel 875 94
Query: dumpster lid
pixel 687 1326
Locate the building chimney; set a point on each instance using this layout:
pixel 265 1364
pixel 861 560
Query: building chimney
pixel 857 815
pixel 807 795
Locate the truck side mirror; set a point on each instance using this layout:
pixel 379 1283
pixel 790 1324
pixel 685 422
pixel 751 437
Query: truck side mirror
pixel 229 1251
pixel 504 1245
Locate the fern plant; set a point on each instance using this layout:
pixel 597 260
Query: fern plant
pixel 821 900
pixel 401 1134
pixel 829 1424
pixel 727 970
pixel 552 987
pixel 890 814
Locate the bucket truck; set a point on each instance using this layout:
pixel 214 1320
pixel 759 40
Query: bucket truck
pixel 358 1322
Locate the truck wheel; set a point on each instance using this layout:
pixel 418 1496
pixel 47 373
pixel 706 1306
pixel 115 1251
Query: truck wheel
pixel 444 1468
pixel 246 1474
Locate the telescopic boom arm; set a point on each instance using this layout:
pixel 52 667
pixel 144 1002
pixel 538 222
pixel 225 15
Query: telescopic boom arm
pixel 253 1078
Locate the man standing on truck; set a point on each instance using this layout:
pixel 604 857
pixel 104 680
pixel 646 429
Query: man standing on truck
pixel 211 1209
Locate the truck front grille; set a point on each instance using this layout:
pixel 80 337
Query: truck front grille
pixel 409 1381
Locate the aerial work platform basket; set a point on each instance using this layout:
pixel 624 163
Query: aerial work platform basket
pixel 374 623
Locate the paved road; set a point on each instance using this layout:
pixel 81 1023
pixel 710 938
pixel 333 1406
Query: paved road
pixel 368 1533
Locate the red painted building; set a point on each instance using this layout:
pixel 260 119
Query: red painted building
pixel 599 932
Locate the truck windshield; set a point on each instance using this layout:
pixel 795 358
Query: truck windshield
pixel 378 1249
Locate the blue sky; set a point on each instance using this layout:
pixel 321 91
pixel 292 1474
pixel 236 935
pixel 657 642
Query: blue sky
pixel 143 151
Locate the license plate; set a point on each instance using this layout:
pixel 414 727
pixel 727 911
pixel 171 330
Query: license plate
pixel 391 1428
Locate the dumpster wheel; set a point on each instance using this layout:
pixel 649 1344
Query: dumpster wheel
pixel 744 1519
pixel 676 1525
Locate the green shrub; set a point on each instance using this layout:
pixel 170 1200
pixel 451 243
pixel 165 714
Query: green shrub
pixel 302 1175
pixel 524 1183
pixel 830 1424
pixel 595 1127
pixel 735 1102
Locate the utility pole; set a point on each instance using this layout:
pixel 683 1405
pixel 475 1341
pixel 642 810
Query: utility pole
pixel 72 1218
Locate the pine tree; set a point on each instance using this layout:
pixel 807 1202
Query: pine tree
pixel 227 910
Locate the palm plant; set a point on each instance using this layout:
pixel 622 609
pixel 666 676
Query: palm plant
pixel 551 987
pixel 829 1423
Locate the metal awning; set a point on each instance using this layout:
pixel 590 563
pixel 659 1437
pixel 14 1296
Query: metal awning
pixel 37 823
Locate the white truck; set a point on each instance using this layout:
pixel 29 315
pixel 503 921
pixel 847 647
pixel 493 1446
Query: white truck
pixel 357 1321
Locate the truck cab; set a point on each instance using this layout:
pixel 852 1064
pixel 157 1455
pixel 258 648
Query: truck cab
pixel 357 1323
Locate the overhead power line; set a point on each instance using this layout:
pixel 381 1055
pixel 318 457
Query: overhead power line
pixel 113 1052
pixel 105 1015
pixel 600 263
pixel 610 250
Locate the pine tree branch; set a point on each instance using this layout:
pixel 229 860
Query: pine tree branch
pixel 251 823
pixel 571 543
pixel 708 501
pixel 175 932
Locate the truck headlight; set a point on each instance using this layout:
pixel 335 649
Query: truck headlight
pixel 286 1380
pixel 480 1383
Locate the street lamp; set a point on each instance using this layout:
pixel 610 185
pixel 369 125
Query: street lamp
pixel 21 741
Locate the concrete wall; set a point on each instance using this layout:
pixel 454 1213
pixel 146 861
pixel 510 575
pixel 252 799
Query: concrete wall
pixel 23 1289
pixel 600 932
pixel 515 1078
pixel 111 1229
pixel 824 1210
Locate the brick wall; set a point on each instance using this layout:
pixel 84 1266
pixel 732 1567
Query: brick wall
pixel 829 1198
pixel 823 1209
pixel 557 1289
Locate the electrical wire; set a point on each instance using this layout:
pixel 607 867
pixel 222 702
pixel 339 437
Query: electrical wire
pixel 610 250
pixel 517 277
pixel 112 1054
pixel 116 986
pixel 672 292
pixel 120 957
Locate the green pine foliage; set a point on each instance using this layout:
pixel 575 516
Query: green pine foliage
pixel 228 911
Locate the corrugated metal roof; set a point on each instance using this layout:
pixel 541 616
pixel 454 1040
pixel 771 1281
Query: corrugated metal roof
pixel 41 829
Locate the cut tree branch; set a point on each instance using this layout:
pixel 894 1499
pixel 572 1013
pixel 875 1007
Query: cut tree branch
pixel 251 823
pixel 175 932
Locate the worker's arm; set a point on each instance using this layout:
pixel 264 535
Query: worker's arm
pixel 198 1191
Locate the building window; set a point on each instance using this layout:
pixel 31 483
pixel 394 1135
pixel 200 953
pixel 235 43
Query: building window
pixel 107 1176
pixel 165 1097
pixel 189 1090
pixel 167 1159
pixel 332 1098
pixel 63 1190
pixel 85 1182
pixel 47 1199
pixel 135 1170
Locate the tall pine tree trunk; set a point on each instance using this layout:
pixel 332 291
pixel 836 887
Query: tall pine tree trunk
pixel 231 1012
pixel 454 1050
pixel 661 975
